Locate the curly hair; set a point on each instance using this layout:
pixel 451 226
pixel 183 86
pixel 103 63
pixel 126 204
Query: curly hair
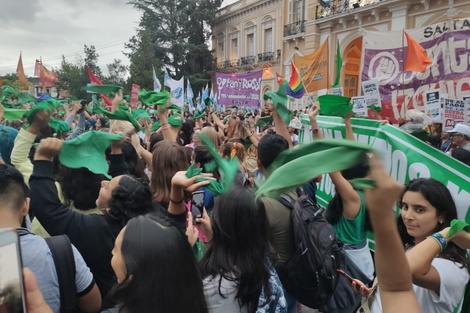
pixel 131 198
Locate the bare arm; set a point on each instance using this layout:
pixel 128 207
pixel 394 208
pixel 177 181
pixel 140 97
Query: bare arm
pixel 168 132
pixel 90 302
pixel 391 264
pixel 347 123
pixel 116 101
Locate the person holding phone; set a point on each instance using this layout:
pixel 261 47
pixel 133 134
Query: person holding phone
pixel 14 206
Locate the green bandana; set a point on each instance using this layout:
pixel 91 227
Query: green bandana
pixel 156 126
pixel 8 91
pixel 198 115
pixel 295 167
pixel 14 114
pixel 24 98
pixel 102 89
pixel 176 120
pixel 279 99
pixel 140 113
pixel 87 150
pixel 151 98
pixel 334 105
pixel 227 170
pixel 40 106
pixel 264 120
pixel 60 127
pixel 118 115
pixel 174 107
pixel 456 226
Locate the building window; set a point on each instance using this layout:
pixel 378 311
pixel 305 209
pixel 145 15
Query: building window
pixel 234 48
pixel 298 11
pixel 268 40
pixel 250 44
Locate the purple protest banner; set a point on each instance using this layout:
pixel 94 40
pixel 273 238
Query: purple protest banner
pixel 448 47
pixel 239 89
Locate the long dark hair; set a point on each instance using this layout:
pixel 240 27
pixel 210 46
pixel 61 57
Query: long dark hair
pixel 335 207
pixel 437 194
pixel 79 186
pixel 239 246
pixel 161 270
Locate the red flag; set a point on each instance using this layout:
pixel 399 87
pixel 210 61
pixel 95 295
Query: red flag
pixel 96 81
pixel 417 60
pixel 46 77
pixel 134 95
pixel 279 78
pixel 20 73
pixel 37 68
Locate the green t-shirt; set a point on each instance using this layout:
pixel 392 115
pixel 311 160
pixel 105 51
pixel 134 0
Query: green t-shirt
pixel 353 231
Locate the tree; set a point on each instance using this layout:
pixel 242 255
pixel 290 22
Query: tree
pixel 91 59
pixel 71 77
pixel 142 57
pixel 179 30
pixel 117 73
pixel 13 81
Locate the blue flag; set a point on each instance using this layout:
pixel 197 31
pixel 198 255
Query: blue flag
pixel 167 79
pixel 189 94
pixel 156 83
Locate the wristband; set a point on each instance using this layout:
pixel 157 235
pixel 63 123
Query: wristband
pixel 315 130
pixel 440 240
pixel 177 202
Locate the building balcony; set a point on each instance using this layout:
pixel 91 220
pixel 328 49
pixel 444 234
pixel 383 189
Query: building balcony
pixel 250 62
pixel 294 28
pixel 342 6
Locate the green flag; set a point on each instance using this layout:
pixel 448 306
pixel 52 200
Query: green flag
pixel 339 65
pixel 14 114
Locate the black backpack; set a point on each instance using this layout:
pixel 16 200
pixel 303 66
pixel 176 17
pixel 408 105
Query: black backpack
pixel 310 274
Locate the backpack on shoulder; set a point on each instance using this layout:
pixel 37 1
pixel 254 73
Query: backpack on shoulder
pixel 64 261
pixel 310 274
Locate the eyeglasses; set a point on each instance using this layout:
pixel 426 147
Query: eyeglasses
pixel 455 134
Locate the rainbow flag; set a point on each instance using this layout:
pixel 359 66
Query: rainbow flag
pixel 295 87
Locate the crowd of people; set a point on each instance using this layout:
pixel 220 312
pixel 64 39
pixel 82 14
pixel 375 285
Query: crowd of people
pixel 137 245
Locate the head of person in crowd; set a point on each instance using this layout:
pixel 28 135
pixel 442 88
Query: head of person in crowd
pixel 80 187
pixel 461 136
pixel 335 206
pixel 269 148
pixel 154 139
pixel 445 135
pixel 122 198
pixel 427 207
pixel 232 127
pixel 233 148
pixel 7 141
pixel 186 133
pixel 14 197
pixel 167 159
pixel 133 160
pixel 17 124
pixel 462 155
pixel 236 255
pixel 156 270
pixel 101 122
pixel 210 133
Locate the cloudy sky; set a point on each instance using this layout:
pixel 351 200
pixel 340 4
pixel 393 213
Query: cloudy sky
pixel 48 29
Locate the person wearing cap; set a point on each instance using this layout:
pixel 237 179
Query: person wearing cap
pixel 461 136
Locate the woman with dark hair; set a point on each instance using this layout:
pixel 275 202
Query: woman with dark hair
pixel 121 199
pixel 134 162
pixel 186 134
pixel 439 267
pixel 156 270
pixel 237 274
pixel 101 122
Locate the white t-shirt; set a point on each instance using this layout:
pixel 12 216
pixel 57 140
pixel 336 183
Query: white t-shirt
pixel 453 282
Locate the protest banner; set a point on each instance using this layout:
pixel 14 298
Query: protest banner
pixel 240 89
pixel 313 68
pixel 454 110
pixel 432 106
pixel 370 89
pixel 359 106
pixel 404 156
pixel 134 95
pixel 447 46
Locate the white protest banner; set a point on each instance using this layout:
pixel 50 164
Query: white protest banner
pixel 466 101
pixel 405 157
pixel 454 110
pixel 432 106
pixel 337 91
pixel 359 106
pixel 370 88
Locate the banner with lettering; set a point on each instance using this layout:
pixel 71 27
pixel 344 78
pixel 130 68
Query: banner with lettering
pixel 313 68
pixel 447 47
pixel 404 156
pixel 239 89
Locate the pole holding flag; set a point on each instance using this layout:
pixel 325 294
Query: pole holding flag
pixel 156 83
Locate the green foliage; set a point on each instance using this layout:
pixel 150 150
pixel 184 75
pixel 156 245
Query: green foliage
pixel 143 56
pixel 179 31
pixel 117 73
pixel 12 80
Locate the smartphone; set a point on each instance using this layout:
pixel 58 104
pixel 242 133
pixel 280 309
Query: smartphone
pixel 197 205
pixel 352 279
pixel 12 296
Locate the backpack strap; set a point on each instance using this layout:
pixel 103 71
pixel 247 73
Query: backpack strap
pixel 286 201
pixel 64 262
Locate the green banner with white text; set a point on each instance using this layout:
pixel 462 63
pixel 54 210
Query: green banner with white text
pixel 405 157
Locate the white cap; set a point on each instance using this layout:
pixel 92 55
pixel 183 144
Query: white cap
pixel 461 129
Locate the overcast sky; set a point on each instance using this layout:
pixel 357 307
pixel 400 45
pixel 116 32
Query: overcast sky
pixel 52 28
